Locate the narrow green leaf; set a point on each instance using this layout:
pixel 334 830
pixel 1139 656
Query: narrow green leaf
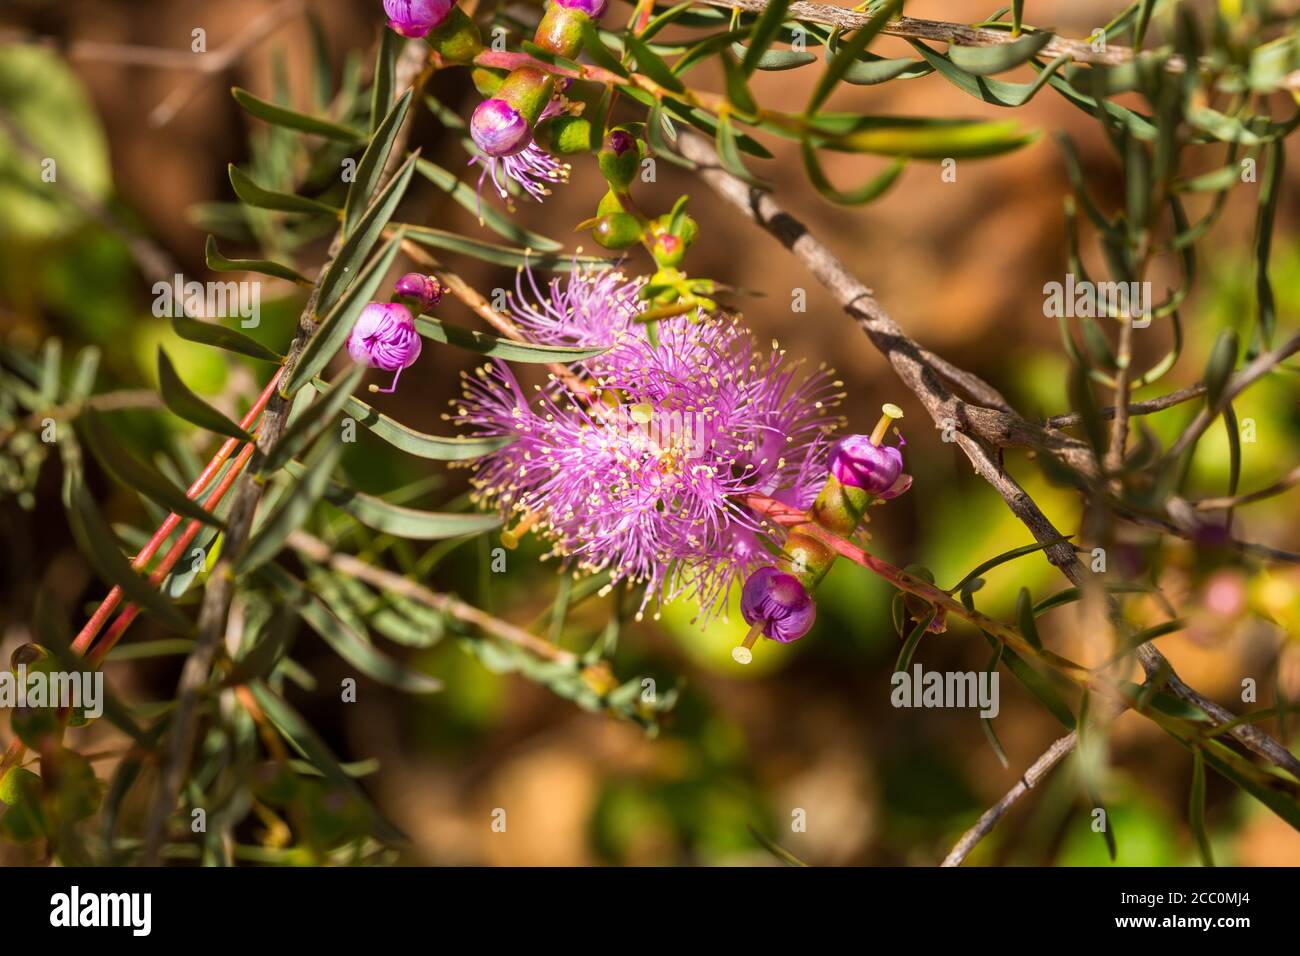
pixel 599 53
pixel 657 137
pixel 490 346
pixel 134 473
pixel 1025 619
pixel 334 328
pixel 872 189
pixel 774 848
pixel 765 30
pixel 303 429
pixel 279 116
pixel 183 403
pixel 730 156
pixel 849 53
pixel 497 254
pixel 1196 807
pixel 776 60
pixel 1003 558
pixel 381 93
pixel 650 64
pixel 1223 178
pixel 222 337
pixel 397 520
pixel 962 139
pixel 254 195
pixel 348 644
pixel 100 546
pixel 372 164
pixel 986 60
pixel 1270 189
pixel 293 508
pixel 410 523
pixel 300 735
pixel 419 444
pixel 356 247
pixel 82 382
pixel 904 660
pixel 219 263
pixel 1223 359
pixel 872 69
pixel 737 88
pixel 986 723
pixel 1000 92
pixel 269 644
pixel 1034 682
pixel 322 67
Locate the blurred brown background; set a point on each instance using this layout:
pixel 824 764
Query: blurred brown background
pixel 959 264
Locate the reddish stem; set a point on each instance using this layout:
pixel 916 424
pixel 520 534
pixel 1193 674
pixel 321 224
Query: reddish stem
pixel 87 635
pixel 131 611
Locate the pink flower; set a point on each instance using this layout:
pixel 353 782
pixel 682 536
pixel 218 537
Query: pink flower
pixel 415 18
pixel 877 469
pixel 385 338
pixel 780 602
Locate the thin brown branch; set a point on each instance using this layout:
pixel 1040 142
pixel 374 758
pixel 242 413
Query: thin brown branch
pixel 1119 430
pixel 985 824
pixel 940 31
pixel 1148 407
pixel 915 367
pixel 1285 483
pixel 1260 366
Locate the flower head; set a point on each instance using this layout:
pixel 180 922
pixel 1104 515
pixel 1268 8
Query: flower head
pixel 646 478
pixel 532 167
pixel 415 18
pixel 861 460
pixel 384 337
pixel 778 602
pixel 498 128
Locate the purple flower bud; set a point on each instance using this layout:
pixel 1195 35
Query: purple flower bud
pixel 620 141
pixel 876 469
pixel 498 128
pixel 415 18
pixel 779 600
pixel 424 291
pixel 385 338
pixel 592 8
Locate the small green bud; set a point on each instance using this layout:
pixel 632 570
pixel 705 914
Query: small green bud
pixel 687 230
pixel 25 819
pixel 456 39
pixel 560 31
pixel 618 158
pixel 564 135
pixel 617 231
pixel 668 250
pixel 528 90
pixel 609 204
pixel 487 81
